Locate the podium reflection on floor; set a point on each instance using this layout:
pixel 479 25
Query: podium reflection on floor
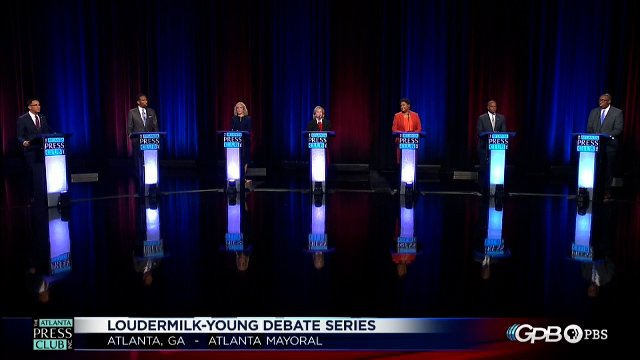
pixel 592 246
pixel 491 247
pixel 50 250
pixel 149 249
pixel 318 239
pixel 234 240
pixel 406 244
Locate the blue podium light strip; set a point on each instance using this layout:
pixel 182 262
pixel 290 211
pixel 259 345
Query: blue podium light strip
pixel 62 257
pixel 54 152
pixel 493 242
pixel 498 136
pixel 405 239
pixel 589 137
pixel 317 145
pixel 234 246
pixel 233 237
pixel 410 136
pixel 581 248
pixel 318 135
pixel 317 237
pixel 232 144
pixel 587 149
pixel 498 147
pixel 150 136
pixel 145 147
pixel 408 146
pixel 55 140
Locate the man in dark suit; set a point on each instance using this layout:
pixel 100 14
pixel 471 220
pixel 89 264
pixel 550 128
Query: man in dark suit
pixel 489 122
pixel 140 119
pixel 319 123
pixel 30 126
pixel 606 119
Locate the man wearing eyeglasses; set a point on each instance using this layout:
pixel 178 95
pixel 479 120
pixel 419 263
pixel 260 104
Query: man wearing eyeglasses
pixel 606 119
pixel 30 126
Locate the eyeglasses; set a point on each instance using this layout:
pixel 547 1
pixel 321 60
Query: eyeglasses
pixel 603 100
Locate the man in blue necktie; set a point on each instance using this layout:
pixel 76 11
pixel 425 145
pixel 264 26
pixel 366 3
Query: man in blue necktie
pixel 606 119
pixel 490 121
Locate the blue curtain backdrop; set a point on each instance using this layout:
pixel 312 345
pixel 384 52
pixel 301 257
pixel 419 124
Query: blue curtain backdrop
pixel 544 62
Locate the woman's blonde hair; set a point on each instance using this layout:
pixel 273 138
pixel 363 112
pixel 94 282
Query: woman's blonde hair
pixel 321 108
pixel 244 107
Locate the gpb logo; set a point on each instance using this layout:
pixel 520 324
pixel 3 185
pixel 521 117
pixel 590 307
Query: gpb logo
pixel 528 333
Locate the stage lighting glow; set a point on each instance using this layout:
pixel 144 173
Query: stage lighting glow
pixel 497 164
pixel 408 166
pixel 318 165
pixel 318 216
pixel 150 167
pixel 233 163
pixel 586 169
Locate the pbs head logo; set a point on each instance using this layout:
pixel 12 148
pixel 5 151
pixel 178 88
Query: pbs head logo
pixel 571 334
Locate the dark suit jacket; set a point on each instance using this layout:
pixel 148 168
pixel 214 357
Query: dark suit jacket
pixel 612 125
pixel 313 125
pixel 27 130
pixel 134 121
pixel 241 125
pixel 484 125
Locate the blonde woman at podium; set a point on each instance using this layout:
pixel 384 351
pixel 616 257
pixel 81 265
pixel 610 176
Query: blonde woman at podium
pixel 241 121
pixel 319 123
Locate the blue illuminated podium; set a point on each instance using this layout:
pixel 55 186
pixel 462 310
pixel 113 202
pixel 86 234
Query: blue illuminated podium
pixel 588 146
pixel 55 166
pixel 318 143
pixel 233 143
pixel 497 146
pixel 149 143
pixel 408 142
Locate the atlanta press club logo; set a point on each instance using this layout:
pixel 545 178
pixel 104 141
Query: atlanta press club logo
pixel 53 334
pixel 571 334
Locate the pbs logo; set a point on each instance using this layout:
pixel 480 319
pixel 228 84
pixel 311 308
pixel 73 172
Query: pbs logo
pixel 571 334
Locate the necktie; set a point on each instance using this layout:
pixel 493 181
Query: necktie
pixel 320 125
pixel 493 122
pixel 144 117
pixel 602 117
pixel 38 122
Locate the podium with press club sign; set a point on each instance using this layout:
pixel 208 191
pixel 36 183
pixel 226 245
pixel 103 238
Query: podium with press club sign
pixel 149 144
pixel 588 146
pixel 318 143
pixel 408 143
pixel 55 167
pixel 497 145
pixel 233 143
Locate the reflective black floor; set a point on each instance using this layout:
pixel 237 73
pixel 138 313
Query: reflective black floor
pixel 360 250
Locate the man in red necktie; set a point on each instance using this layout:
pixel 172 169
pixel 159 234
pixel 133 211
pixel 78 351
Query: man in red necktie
pixel 30 126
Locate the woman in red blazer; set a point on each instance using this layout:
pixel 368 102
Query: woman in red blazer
pixel 405 121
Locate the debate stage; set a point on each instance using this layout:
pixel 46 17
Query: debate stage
pixel 361 250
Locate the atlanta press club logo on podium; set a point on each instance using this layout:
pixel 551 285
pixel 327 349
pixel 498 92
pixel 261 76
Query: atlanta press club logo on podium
pixel 571 334
pixel 53 334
